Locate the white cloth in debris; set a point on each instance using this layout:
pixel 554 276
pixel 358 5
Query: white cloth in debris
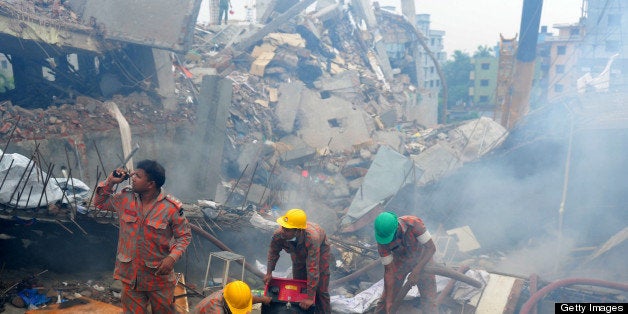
pixel 261 223
pixel 18 184
pixel 463 291
pixel 365 300
pixel 276 273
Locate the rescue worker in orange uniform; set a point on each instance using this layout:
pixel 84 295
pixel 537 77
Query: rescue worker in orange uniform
pixel 306 242
pixel 405 247
pixel 235 298
pixel 153 235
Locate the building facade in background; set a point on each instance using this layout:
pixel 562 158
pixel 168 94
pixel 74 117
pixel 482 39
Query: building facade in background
pixel 428 75
pixel 606 35
pixel 559 55
pixel 483 79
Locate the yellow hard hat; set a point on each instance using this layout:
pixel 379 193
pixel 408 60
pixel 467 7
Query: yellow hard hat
pixel 293 219
pixel 238 296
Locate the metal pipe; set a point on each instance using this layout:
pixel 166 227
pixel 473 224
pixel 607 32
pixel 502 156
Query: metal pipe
pixel 76 223
pixel 437 270
pixel 73 210
pixel 10 137
pixel 535 298
pixel 6 174
pixel 236 184
pixel 450 286
pixel 20 181
pixel 40 175
pixel 99 158
pixel 19 195
pixel 355 274
pixel 563 199
pixel 28 199
pixel 94 190
pixel 270 176
pixel 70 180
pixel 246 195
pixel 64 227
pixel 17 186
pixel 50 168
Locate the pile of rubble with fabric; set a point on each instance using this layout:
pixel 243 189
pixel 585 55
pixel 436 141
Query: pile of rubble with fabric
pixel 315 120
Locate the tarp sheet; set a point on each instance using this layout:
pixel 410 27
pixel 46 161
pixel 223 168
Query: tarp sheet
pixel 23 184
pixel 388 172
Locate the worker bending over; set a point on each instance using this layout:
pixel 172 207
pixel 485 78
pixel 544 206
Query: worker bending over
pixel 235 298
pixel 405 246
pixel 306 243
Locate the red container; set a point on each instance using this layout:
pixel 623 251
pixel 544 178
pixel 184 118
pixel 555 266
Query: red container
pixel 286 290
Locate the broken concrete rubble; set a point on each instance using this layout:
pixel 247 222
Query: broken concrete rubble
pixel 330 126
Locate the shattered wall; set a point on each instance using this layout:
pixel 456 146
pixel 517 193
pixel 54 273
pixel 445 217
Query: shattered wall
pixel 160 24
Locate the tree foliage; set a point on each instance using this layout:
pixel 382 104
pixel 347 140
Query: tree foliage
pixel 457 71
pixel 483 51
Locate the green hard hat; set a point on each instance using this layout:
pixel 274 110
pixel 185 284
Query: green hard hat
pixel 385 227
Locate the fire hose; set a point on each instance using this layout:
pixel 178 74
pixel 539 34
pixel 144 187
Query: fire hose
pixel 535 298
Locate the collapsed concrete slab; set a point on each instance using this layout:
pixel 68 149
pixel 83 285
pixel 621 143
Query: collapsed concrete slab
pixel 51 35
pixel 331 122
pixel 436 161
pixel 475 138
pixel 288 105
pixel 389 172
pixel 142 22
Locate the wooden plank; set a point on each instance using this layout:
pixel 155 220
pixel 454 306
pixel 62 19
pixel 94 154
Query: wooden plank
pixel 513 298
pixel 495 298
pixel 181 304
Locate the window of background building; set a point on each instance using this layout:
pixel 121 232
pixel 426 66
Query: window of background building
pixel 483 99
pixel 437 83
pixel 544 52
pixel 486 66
pixel 432 41
pixel 4 65
pixel 432 70
pixel 612 46
pixel 558 88
pixel 431 83
pixel 574 32
pixel 483 82
pixel 614 20
pixel 560 68
pixel 561 50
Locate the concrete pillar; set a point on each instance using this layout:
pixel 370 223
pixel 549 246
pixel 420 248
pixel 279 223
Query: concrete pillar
pixel 165 79
pixel 213 109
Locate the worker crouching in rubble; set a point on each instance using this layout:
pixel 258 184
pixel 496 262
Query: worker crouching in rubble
pixel 405 246
pixel 307 245
pixel 153 235
pixel 235 298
